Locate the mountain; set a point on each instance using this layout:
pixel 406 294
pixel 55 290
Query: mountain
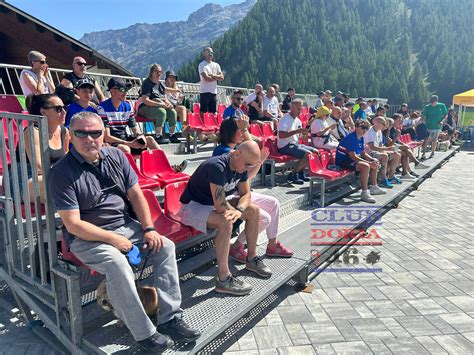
pixel 170 43
pixel 400 49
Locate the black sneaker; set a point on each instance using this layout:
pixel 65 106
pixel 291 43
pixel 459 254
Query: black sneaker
pixel 302 176
pixel 414 174
pixel 174 139
pixel 179 331
pixel 161 140
pixel 155 344
pixel 293 179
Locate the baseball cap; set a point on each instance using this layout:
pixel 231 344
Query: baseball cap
pixel 171 73
pixel 322 111
pixel 85 82
pixel 117 83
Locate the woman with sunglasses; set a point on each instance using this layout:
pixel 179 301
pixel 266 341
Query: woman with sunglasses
pixel 36 80
pixel 52 107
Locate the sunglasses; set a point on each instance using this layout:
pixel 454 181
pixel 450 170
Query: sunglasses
pixel 58 108
pixel 250 166
pixel 41 61
pixel 239 98
pixel 81 64
pixel 84 134
pixel 363 128
pixel 120 89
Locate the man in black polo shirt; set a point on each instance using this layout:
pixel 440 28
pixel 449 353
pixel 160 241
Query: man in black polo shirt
pixel 217 195
pixel 93 189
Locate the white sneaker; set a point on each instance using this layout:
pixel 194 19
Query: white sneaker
pixel 407 176
pixel 365 196
pixel 375 190
pixel 421 166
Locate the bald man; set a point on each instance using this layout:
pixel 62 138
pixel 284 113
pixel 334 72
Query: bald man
pixel 79 71
pixel 210 73
pixel 217 195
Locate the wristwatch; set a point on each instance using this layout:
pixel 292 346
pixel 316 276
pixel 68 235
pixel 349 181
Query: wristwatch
pixel 240 209
pixel 149 229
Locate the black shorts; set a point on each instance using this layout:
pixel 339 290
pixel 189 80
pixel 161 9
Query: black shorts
pixel 134 151
pixel 208 102
pixel 349 165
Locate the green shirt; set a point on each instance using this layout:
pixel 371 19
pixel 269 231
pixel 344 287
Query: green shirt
pixel 434 115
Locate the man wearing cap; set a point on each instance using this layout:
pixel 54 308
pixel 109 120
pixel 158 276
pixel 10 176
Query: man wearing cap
pixel 84 93
pixel 434 114
pixel 285 107
pixel 79 71
pixel 210 73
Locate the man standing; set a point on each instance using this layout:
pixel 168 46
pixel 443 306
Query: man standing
pixel 79 71
pixel 433 113
pixel 210 73
pixel 94 190
pixel 85 93
pixel 216 196
pixel 289 130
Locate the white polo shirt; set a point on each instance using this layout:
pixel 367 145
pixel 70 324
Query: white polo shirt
pixel 287 124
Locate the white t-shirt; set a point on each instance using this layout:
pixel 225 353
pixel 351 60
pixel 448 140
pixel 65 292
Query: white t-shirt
pixel 271 105
pixel 330 121
pixel 208 68
pixel 317 126
pixel 24 86
pixel 373 136
pixel 250 98
pixel 287 124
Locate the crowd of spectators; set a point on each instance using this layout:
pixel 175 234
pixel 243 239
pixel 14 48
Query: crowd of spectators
pixel 87 139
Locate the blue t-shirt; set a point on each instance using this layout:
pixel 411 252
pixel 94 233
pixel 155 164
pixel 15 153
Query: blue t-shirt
pixel 214 170
pixel 230 111
pixel 221 149
pixel 349 143
pixel 74 108
pixel 360 114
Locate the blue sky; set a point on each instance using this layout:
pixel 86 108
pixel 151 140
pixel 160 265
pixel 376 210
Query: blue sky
pixel 96 15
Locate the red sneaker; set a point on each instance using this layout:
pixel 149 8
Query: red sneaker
pixel 238 254
pixel 279 250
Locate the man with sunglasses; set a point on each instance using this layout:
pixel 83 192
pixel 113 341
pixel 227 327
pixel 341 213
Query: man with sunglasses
pixel 79 71
pixel 216 196
pixel 234 109
pixel 210 72
pixel 94 190
pixel 84 92
pixel 350 155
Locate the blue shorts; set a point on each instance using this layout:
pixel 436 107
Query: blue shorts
pixel 297 150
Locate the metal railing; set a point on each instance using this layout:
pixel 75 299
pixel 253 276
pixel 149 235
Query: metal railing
pixel 29 240
pixel 10 85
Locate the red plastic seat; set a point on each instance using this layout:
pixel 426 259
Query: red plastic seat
pixel 140 118
pixel 144 181
pixel 196 124
pixel 171 229
pixel 267 131
pixel 196 108
pixel 210 121
pixel 71 258
pixel 275 154
pixel 10 103
pixel 220 118
pixel 172 206
pixel 220 109
pixel 15 131
pixel 255 130
pixel 1 162
pixel 32 210
pixel 411 143
pixel 155 165
pixel 316 169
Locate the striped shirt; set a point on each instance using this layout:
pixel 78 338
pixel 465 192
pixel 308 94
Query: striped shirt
pixel 117 119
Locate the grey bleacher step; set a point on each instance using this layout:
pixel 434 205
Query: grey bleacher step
pixel 207 310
